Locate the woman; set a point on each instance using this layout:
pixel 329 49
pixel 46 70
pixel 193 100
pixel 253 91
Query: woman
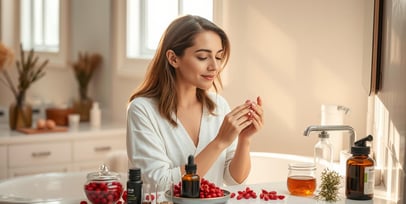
pixel 173 114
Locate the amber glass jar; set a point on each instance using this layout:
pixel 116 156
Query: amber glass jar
pixel 301 179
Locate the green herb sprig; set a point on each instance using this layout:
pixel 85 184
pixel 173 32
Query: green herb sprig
pixel 329 187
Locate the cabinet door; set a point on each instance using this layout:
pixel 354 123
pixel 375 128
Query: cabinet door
pixel 3 162
pixel 37 154
pixel 96 150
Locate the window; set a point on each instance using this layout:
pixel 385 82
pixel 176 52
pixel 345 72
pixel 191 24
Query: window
pixel 145 27
pixel 139 24
pixel 43 27
pixel 40 25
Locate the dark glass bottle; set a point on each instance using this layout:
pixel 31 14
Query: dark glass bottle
pixel 134 186
pixel 360 170
pixel 190 181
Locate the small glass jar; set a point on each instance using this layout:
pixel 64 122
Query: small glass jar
pixel 103 186
pixel 301 179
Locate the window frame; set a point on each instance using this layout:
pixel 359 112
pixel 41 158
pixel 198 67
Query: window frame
pixel 125 66
pixel 58 59
pixel 11 32
pixel 33 35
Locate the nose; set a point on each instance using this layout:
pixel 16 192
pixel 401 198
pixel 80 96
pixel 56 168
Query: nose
pixel 214 65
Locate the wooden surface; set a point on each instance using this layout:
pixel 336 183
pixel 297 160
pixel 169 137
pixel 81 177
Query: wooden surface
pixel 37 131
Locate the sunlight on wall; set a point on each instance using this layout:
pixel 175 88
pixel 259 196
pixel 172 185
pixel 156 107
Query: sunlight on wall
pixel 387 146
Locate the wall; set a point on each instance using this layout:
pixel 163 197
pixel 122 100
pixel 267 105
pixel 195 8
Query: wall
pixel 297 55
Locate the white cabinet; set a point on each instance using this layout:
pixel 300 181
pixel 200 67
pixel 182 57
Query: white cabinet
pixel 88 154
pixel 26 159
pixel 83 150
pixel 27 155
pixel 3 162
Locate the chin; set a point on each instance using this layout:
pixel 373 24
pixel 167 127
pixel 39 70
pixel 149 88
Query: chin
pixel 206 87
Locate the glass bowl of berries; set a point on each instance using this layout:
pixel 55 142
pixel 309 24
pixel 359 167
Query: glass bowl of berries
pixel 103 187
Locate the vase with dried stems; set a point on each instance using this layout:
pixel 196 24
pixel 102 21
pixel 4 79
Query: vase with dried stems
pixel 84 69
pixel 20 113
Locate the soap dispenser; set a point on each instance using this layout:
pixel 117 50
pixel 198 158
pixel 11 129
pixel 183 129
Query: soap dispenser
pixel 190 181
pixel 360 172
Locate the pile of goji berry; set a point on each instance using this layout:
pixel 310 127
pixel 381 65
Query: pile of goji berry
pixel 207 189
pixel 248 193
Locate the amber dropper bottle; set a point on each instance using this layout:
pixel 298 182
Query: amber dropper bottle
pixel 360 173
pixel 190 181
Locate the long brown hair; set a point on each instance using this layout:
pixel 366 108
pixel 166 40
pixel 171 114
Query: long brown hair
pixel 159 82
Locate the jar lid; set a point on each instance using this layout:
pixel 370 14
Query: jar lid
pixel 103 174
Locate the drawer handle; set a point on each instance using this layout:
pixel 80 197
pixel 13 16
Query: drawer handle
pixel 102 149
pixel 41 154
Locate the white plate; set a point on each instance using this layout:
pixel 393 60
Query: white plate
pixel 218 200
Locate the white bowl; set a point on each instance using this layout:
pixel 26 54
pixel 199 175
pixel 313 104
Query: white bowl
pixel 218 200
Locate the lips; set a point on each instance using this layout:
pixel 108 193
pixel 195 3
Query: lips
pixel 209 77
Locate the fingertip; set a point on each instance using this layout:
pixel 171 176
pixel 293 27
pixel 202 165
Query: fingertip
pixel 259 100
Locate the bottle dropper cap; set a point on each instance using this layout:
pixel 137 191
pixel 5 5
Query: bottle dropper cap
pixel 360 147
pixel 190 167
pixel 134 174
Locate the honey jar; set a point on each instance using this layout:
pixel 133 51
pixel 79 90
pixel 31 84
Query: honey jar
pixel 301 179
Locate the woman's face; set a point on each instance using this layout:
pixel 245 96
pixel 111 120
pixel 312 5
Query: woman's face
pixel 201 63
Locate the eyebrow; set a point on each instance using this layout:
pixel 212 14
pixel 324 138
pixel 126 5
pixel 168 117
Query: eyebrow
pixel 207 50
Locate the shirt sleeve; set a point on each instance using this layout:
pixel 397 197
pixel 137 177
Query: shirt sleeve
pixel 145 148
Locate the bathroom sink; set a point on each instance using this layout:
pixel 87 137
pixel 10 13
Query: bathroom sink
pixel 44 188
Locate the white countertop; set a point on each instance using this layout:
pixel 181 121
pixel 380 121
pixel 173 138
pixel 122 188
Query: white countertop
pixel 281 188
pixel 68 188
pixel 8 136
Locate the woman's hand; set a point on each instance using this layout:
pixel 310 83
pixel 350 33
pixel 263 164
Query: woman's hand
pixel 256 117
pixel 234 122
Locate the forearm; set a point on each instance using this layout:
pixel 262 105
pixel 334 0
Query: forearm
pixel 240 165
pixel 206 158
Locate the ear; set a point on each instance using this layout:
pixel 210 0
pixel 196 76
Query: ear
pixel 172 58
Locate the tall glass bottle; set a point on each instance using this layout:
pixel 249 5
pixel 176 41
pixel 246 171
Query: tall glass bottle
pixel 323 154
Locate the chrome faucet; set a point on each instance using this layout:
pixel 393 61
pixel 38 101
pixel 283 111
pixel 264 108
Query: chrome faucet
pixel 332 128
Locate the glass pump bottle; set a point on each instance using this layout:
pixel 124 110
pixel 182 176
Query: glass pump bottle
pixel 323 152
